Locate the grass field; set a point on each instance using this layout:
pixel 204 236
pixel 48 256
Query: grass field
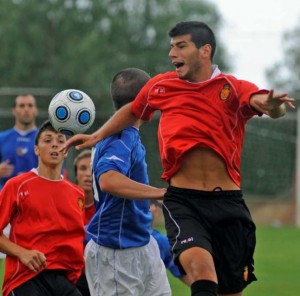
pixel 277 265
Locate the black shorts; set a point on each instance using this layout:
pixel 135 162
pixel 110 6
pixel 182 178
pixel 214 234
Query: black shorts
pixel 47 283
pixel 218 221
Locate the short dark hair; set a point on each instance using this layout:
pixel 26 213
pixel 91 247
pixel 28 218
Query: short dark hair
pixel 83 154
pixel 126 84
pixel 200 32
pixel 46 126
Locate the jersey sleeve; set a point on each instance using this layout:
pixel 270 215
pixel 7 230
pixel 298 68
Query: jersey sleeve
pixel 8 204
pixel 113 155
pixel 247 89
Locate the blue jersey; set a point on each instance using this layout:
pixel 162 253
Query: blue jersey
pixel 165 253
pixel 120 223
pixel 18 147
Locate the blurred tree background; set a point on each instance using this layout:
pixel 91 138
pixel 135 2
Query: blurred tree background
pixel 60 44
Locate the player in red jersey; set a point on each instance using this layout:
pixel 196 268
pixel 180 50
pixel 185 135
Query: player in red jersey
pixel 201 131
pixel 44 249
pixel 83 175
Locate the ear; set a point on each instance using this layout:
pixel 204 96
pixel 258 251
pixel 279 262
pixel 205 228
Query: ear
pixel 205 50
pixel 36 150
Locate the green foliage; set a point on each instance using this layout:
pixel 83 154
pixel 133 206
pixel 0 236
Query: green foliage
pixel 82 44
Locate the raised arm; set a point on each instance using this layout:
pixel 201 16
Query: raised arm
pixel 272 104
pixel 120 120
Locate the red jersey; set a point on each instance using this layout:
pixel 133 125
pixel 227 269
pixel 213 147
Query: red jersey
pixel 210 114
pixel 45 215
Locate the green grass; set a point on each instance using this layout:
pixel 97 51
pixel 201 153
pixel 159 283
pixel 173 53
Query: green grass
pixel 277 265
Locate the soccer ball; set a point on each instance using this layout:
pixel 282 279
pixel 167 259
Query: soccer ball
pixel 71 112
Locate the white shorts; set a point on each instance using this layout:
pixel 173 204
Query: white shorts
pixel 134 271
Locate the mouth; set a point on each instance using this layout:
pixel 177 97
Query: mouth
pixel 178 65
pixel 55 154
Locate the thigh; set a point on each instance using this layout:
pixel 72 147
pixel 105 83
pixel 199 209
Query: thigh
pixel 33 287
pixel 63 287
pixel 111 272
pixel 186 227
pixel 234 244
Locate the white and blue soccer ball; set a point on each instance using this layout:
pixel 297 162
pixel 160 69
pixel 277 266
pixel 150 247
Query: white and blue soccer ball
pixel 71 112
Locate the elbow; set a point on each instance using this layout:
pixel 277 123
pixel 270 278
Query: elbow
pixel 106 182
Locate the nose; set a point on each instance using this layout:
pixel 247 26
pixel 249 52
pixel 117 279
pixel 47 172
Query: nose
pixel 172 53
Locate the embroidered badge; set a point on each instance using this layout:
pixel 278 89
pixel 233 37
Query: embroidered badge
pixel 225 92
pixel 80 203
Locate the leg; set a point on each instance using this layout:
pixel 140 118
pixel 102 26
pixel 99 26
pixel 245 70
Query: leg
pixel 198 264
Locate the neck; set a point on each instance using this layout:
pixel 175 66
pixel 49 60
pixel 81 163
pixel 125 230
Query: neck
pixel 49 172
pixel 24 127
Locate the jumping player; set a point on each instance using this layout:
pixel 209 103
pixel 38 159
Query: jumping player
pixel 201 132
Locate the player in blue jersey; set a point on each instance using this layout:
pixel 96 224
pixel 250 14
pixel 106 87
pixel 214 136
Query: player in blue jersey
pixel 122 258
pixel 17 144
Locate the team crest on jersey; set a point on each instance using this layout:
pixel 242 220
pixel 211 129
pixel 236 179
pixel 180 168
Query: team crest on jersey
pixel 21 151
pixel 80 203
pixel 225 93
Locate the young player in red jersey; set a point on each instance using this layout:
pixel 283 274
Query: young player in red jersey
pixel 83 175
pixel 45 246
pixel 201 131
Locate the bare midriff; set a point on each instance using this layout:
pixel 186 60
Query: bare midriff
pixel 203 169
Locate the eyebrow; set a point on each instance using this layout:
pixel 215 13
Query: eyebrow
pixel 178 43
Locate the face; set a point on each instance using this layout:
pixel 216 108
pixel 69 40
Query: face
pixel 48 149
pixel 84 176
pixel 25 110
pixel 186 57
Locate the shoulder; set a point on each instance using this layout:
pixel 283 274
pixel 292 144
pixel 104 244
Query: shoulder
pixel 7 133
pixel 73 187
pixel 21 179
pixel 127 138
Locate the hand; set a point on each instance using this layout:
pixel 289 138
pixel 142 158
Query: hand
pixel 277 100
pixel 271 104
pixel 6 169
pixel 33 259
pixel 80 141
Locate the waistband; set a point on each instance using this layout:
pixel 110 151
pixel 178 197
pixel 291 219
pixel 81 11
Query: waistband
pixel 230 194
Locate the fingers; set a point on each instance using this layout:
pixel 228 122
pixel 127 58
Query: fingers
pixel 35 261
pixel 75 140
